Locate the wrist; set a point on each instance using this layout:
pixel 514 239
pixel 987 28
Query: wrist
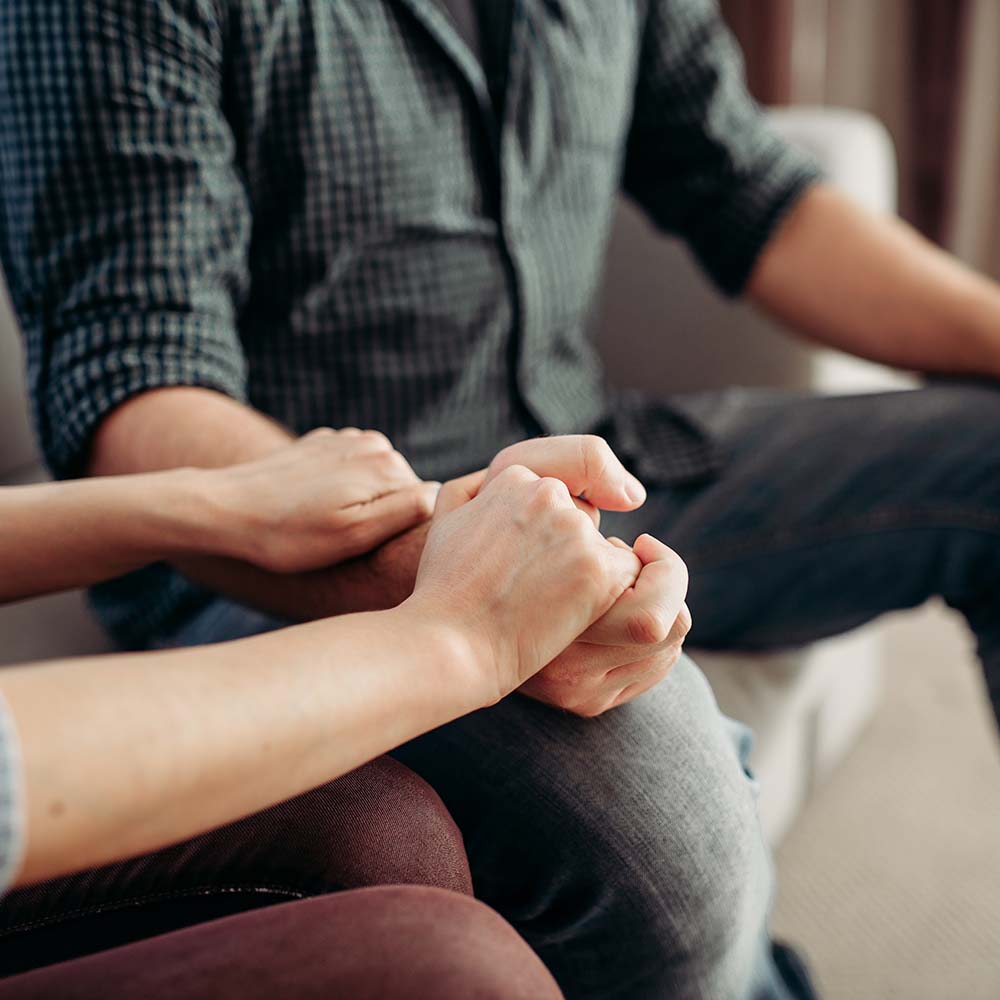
pixel 192 515
pixel 461 657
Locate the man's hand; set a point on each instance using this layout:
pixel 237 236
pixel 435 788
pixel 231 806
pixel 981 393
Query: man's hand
pixel 517 572
pixel 587 465
pixel 628 651
pixel 636 644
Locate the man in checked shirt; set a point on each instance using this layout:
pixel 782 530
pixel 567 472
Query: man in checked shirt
pixel 225 222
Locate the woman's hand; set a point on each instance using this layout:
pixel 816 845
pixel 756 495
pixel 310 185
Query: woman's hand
pixel 519 572
pixel 330 496
pixel 639 640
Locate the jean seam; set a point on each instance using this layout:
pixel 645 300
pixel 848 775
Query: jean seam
pixel 892 519
pixel 153 897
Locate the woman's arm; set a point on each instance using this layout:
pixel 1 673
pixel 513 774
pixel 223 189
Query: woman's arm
pixel 125 754
pixel 327 497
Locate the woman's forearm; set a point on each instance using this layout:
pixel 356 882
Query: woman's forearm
pixel 56 536
pixel 125 754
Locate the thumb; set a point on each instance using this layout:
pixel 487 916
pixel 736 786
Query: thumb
pixel 645 614
pixel 458 492
pixel 584 462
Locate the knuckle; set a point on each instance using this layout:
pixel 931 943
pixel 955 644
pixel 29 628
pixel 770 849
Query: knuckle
pixel 451 495
pixel 593 709
pixel 514 475
pixel 596 455
pixel 423 502
pixel 390 460
pixel 591 564
pixel 551 492
pixel 684 622
pixel 677 565
pixel 376 439
pixel 322 435
pixel 646 627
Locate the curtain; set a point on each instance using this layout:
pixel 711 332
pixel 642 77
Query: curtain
pixel 927 68
pixel 974 216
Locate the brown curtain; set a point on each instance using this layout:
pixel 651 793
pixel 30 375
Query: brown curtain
pixel 974 206
pixel 903 60
pixel 764 29
pixel 937 32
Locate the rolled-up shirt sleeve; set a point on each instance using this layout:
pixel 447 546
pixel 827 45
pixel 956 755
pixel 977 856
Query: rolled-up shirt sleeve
pixel 124 222
pixel 701 158
pixel 11 800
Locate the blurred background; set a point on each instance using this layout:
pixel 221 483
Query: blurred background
pixel 928 69
pixel 890 875
pixel 877 752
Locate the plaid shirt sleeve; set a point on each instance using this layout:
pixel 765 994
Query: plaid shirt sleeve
pixel 124 224
pixel 701 158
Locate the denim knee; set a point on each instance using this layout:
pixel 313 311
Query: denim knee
pixel 657 867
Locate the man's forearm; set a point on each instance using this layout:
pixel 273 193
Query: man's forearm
pixel 167 428
pixel 872 286
pixel 380 580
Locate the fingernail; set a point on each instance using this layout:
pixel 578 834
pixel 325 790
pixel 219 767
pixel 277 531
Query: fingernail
pixel 635 491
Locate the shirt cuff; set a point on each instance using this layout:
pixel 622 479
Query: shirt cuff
pixel 731 237
pixel 93 369
pixel 11 800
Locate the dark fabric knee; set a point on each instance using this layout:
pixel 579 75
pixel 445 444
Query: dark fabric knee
pixel 378 825
pixel 387 943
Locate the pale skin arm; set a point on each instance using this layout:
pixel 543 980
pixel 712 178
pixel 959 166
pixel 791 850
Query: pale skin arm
pixel 170 427
pixel 125 754
pixel 632 651
pixel 167 428
pixel 62 535
pixel 326 497
pixel 872 286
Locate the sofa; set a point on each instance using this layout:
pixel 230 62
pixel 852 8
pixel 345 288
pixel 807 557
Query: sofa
pixel 806 707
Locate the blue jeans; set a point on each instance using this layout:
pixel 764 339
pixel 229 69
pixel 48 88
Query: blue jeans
pixel 626 849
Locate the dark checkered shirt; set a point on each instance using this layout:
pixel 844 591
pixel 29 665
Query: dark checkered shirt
pixel 316 208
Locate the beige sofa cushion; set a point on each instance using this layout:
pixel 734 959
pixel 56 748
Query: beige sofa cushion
pixel 17 446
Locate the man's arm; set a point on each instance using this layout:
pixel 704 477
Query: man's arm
pixel 167 428
pixel 872 286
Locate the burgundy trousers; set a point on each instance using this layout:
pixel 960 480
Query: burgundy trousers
pixel 386 943
pixel 214 899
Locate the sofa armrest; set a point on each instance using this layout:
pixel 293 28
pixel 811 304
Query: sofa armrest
pixel 663 328
pixel 854 149
pixel 17 445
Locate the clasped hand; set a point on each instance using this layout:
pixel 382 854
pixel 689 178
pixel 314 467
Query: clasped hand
pixel 596 623
pixel 513 559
